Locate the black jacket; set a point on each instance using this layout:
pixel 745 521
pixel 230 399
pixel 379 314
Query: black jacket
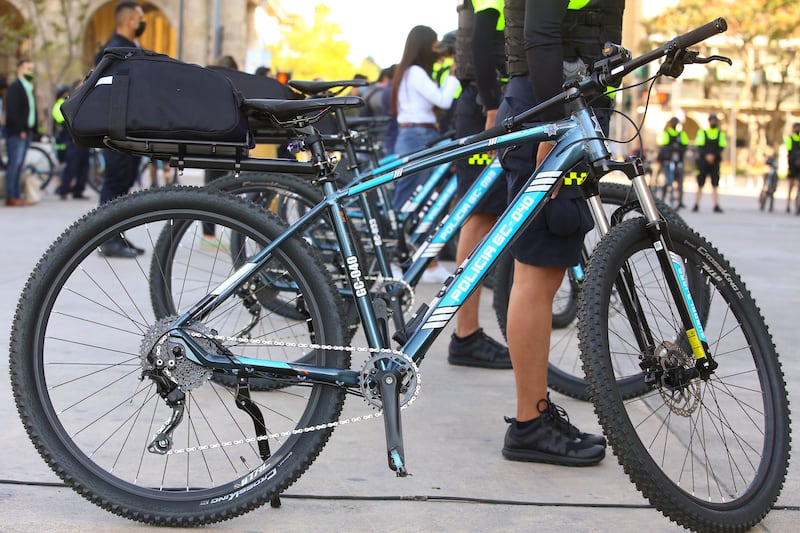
pixel 115 41
pixel 17 110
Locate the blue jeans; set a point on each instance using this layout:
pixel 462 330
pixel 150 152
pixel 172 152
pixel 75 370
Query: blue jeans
pixel 17 147
pixel 410 140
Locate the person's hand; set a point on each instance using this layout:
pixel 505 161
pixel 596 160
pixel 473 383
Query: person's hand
pixel 710 159
pixel 23 134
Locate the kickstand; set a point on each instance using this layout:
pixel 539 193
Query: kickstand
pixel 247 405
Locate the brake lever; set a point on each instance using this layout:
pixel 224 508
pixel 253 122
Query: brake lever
pixel 677 59
pixel 715 57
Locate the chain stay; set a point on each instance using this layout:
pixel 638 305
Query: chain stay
pixel 298 431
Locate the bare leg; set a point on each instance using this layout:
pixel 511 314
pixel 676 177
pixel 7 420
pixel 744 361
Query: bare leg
pixel 530 311
pixel 699 195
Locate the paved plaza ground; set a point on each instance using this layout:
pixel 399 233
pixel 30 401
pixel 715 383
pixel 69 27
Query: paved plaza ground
pixel 453 433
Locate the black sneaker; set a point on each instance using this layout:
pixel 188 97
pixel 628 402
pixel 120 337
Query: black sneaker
pixel 718 209
pixel 115 247
pixel 129 244
pixel 479 350
pixel 695 208
pixel 552 439
pixel 588 437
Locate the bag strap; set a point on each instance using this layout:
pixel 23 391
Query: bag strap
pixel 118 107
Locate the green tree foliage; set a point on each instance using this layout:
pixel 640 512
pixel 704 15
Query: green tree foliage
pixel 747 19
pixel 51 36
pixel 14 32
pixel 759 36
pixel 317 51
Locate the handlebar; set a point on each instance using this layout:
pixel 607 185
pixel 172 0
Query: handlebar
pixel 678 43
pixel 700 34
pixel 610 76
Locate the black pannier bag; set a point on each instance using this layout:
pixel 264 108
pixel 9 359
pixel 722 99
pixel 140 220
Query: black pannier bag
pixel 252 86
pixel 143 102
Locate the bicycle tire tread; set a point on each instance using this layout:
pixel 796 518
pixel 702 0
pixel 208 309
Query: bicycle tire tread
pixel 671 501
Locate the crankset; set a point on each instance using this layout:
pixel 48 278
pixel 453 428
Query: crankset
pixel 391 382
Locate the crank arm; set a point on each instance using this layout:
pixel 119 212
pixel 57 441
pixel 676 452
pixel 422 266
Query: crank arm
pixel 389 387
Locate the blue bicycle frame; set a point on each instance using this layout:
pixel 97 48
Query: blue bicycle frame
pixel 571 134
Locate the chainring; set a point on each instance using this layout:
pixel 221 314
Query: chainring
pixel 410 380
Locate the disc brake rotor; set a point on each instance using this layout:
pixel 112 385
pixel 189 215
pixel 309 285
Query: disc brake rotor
pixel 682 400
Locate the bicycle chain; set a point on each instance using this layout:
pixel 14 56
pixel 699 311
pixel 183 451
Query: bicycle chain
pixel 297 431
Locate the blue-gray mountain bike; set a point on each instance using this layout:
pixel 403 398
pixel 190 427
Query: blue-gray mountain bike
pixel 122 405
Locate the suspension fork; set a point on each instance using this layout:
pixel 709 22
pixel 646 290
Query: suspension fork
pixel 624 281
pixel 677 281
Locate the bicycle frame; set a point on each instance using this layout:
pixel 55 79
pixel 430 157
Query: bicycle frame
pixel 577 138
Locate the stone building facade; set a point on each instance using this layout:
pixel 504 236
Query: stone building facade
pixel 191 30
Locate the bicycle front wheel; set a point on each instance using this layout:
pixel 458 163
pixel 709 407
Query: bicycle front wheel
pixel 564 371
pixel 84 346
pixel 709 454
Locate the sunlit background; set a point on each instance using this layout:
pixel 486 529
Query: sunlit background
pixel 758 98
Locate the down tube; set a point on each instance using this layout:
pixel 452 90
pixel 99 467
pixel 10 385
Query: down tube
pixel 452 222
pixel 527 205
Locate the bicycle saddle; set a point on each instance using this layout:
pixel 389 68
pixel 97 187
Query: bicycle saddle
pixel 290 111
pixel 315 87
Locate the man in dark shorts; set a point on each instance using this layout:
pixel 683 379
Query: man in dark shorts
pixel 545 40
pixel 478 69
pixel 710 143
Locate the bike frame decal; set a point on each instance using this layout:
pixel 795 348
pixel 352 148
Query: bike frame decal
pixel 577 271
pixel 440 317
pixel 440 205
pixel 495 242
pixel 424 190
pixel 695 335
pixel 452 222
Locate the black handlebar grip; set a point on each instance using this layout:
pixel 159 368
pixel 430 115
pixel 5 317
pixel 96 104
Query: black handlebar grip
pixel 701 34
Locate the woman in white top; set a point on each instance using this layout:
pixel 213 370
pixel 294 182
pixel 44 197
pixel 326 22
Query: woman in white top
pixel 414 97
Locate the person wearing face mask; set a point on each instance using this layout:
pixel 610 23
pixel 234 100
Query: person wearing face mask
pixel 20 126
pixel 121 169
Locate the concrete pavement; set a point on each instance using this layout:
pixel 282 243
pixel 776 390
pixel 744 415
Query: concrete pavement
pixel 453 433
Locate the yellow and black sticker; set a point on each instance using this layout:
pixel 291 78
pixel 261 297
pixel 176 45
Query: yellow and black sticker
pixel 480 159
pixel 574 178
pixel 694 342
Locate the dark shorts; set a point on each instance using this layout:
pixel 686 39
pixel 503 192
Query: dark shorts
pixel 469 120
pixel 706 170
pixel 555 237
pixel 794 171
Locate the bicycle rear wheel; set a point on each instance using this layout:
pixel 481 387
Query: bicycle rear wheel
pixel 97 169
pixel 709 454
pixel 85 338
pixel 290 197
pixel 39 164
